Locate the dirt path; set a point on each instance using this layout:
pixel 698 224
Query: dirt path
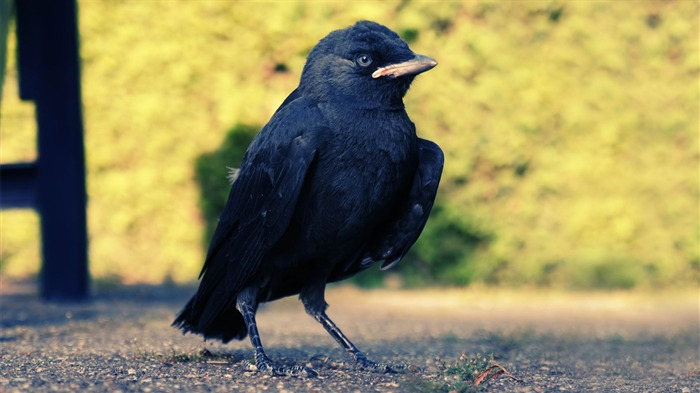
pixel 551 342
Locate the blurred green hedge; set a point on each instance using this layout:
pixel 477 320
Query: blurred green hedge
pixel 570 131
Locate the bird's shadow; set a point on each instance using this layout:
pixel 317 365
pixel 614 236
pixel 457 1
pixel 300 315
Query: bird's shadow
pixel 316 357
pixel 319 358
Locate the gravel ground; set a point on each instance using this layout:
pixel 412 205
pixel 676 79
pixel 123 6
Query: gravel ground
pixel 549 341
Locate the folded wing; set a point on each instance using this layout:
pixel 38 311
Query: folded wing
pixel 397 237
pixel 258 211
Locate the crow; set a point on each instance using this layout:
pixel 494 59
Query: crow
pixel 336 181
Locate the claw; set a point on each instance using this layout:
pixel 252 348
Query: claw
pixel 365 364
pixel 269 368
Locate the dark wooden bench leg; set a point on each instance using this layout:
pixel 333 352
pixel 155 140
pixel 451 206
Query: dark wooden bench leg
pixel 49 70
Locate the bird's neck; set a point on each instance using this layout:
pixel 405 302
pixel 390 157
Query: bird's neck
pixel 351 98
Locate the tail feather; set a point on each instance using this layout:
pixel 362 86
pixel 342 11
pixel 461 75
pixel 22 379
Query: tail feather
pixel 225 326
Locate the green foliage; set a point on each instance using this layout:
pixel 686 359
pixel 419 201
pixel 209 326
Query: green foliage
pixel 212 170
pixel 460 375
pixel 570 131
pixel 459 243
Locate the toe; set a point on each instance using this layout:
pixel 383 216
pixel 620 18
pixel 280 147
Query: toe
pixel 273 369
pixel 383 368
pixel 296 371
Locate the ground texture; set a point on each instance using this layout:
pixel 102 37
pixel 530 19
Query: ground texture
pixel 548 341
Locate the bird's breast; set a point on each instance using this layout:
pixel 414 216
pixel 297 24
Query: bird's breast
pixel 363 170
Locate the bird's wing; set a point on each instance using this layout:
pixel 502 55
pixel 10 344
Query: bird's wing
pixel 290 98
pixel 258 211
pixel 398 235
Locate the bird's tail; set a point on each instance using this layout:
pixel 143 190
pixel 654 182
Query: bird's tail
pixel 225 326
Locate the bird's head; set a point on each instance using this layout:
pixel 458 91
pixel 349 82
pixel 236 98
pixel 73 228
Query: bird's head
pixel 365 65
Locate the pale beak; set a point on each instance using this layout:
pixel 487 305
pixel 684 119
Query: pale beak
pixel 414 66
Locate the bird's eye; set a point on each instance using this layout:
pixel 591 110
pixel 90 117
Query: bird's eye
pixel 363 60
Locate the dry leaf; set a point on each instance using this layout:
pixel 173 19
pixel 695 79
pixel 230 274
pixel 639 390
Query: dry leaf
pixel 487 374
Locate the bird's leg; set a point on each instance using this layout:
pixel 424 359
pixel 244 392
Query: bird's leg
pixel 313 298
pixel 359 357
pixel 262 362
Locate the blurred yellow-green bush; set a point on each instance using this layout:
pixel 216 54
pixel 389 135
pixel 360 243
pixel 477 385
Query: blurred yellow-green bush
pixel 570 131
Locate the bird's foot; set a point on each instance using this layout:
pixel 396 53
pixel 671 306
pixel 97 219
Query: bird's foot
pixel 266 366
pixel 365 364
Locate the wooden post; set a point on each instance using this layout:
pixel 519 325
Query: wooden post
pixel 49 70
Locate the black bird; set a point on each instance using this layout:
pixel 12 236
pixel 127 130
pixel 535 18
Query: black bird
pixel 336 181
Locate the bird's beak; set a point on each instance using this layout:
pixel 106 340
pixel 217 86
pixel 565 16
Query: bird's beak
pixel 414 66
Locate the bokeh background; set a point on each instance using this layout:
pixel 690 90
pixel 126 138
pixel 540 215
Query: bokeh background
pixel 570 131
